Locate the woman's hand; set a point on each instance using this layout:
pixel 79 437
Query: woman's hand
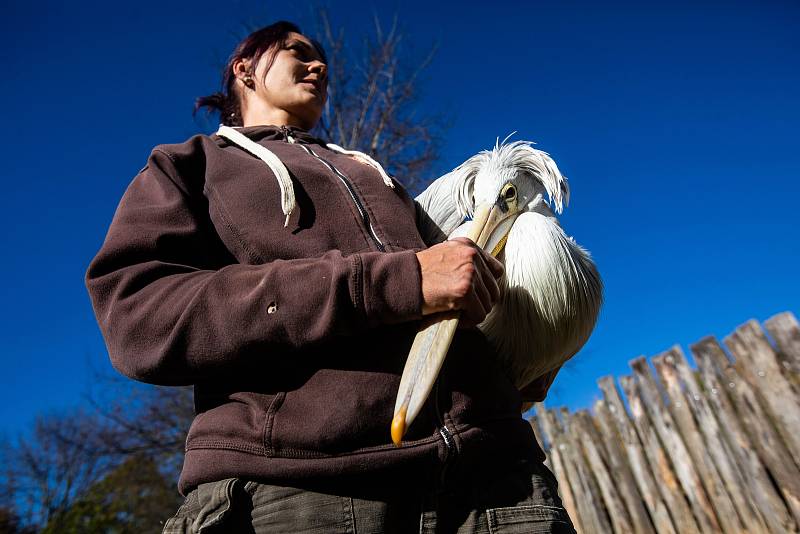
pixel 458 275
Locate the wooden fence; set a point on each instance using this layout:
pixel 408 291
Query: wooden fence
pixel 716 449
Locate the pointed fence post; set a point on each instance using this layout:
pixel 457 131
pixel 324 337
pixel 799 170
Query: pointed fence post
pixel 699 452
pixel 595 453
pixel 659 460
pixel 785 330
pixel 758 363
pixel 673 369
pixel 650 486
pixel 551 431
pixel 750 427
pixel 622 474
pixel 591 502
pixel 685 451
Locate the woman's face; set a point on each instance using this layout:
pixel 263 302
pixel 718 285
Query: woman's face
pixel 296 82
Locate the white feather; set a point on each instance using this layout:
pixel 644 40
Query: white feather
pixel 550 299
pixel 551 292
pixel 442 207
pixel 450 199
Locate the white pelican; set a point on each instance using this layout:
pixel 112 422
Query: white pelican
pixel 550 292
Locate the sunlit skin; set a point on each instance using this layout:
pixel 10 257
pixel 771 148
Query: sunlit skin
pixel 291 93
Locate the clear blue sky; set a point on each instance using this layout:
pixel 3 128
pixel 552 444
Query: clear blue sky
pixel 677 124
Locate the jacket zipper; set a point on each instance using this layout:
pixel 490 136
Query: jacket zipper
pixel 447 436
pixel 347 184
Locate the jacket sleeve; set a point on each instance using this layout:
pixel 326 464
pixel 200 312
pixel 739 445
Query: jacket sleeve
pixel 172 312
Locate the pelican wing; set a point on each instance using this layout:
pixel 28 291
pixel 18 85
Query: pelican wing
pixel 442 207
pixel 552 287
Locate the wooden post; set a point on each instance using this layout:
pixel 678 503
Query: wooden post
pixel 649 488
pixel 759 365
pixel 714 450
pixel 699 452
pixel 591 502
pixel 785 330
pixel 659 461
pixel 552 433
pixel 595 454
pixel 756 432
pixel 623 477
pixel 675 447
pixel 675 372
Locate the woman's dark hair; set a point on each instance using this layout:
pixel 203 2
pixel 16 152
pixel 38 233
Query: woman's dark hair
pixel 267 40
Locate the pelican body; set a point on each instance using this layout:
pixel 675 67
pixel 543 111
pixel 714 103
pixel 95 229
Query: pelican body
pixel 550 293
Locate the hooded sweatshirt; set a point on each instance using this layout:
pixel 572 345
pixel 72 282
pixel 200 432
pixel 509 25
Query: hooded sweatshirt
pixel 294 337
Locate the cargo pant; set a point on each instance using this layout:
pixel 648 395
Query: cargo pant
pixel 522 501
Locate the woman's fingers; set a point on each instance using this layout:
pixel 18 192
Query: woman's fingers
pixel 477 306
pixel 490 274
pixel 482 294
pixel 457 275
pixel 495 266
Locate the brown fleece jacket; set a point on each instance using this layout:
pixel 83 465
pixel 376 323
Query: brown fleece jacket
pixel 294 338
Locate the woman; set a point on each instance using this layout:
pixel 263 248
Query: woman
pixel 282 278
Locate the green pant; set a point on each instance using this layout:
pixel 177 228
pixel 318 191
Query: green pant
pixel 521 501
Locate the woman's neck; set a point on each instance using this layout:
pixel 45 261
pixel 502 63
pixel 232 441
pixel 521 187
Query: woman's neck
pixel 272 116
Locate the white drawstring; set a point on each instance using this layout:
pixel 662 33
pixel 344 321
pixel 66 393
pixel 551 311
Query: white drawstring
pixel 282 173
pixel 273 162
pixel 364 159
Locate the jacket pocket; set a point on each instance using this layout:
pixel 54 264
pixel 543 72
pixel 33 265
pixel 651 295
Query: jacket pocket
pixel 541 510
pixel 529 519
pixel 243 422
pixel 342 411
pixel 210 508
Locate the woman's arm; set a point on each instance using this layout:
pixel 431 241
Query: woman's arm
pixel 174 306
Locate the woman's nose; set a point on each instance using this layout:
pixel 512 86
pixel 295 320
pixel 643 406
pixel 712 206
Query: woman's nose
pixel 320 68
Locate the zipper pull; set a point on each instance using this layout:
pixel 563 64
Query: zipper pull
pixel 288 134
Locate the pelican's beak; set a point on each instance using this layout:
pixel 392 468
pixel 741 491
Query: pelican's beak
pixel 500 218
pixel 436 333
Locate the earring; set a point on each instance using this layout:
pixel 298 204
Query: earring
pixel 248 82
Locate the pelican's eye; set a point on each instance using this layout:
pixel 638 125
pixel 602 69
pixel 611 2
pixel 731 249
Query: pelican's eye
pixel 510 193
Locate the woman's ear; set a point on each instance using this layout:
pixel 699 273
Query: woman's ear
pixel 243 73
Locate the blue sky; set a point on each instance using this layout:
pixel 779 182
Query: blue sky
pixel 676 123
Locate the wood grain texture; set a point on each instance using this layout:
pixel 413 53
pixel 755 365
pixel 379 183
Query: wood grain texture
pixel 622 472
pixel 660 465
pixel 757 362
pixel 590 503
pixel 699 452
pixel 751 430
pixel 650 486
pixel 785 330
pixel 674 367
pixel 551 432
pixel 688 451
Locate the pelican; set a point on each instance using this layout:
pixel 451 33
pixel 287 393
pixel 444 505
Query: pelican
pixel 550 293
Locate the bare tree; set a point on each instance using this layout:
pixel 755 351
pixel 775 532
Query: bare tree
pixel 133 497
pixel 43 473
pixel 141 419
pixel 373 94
